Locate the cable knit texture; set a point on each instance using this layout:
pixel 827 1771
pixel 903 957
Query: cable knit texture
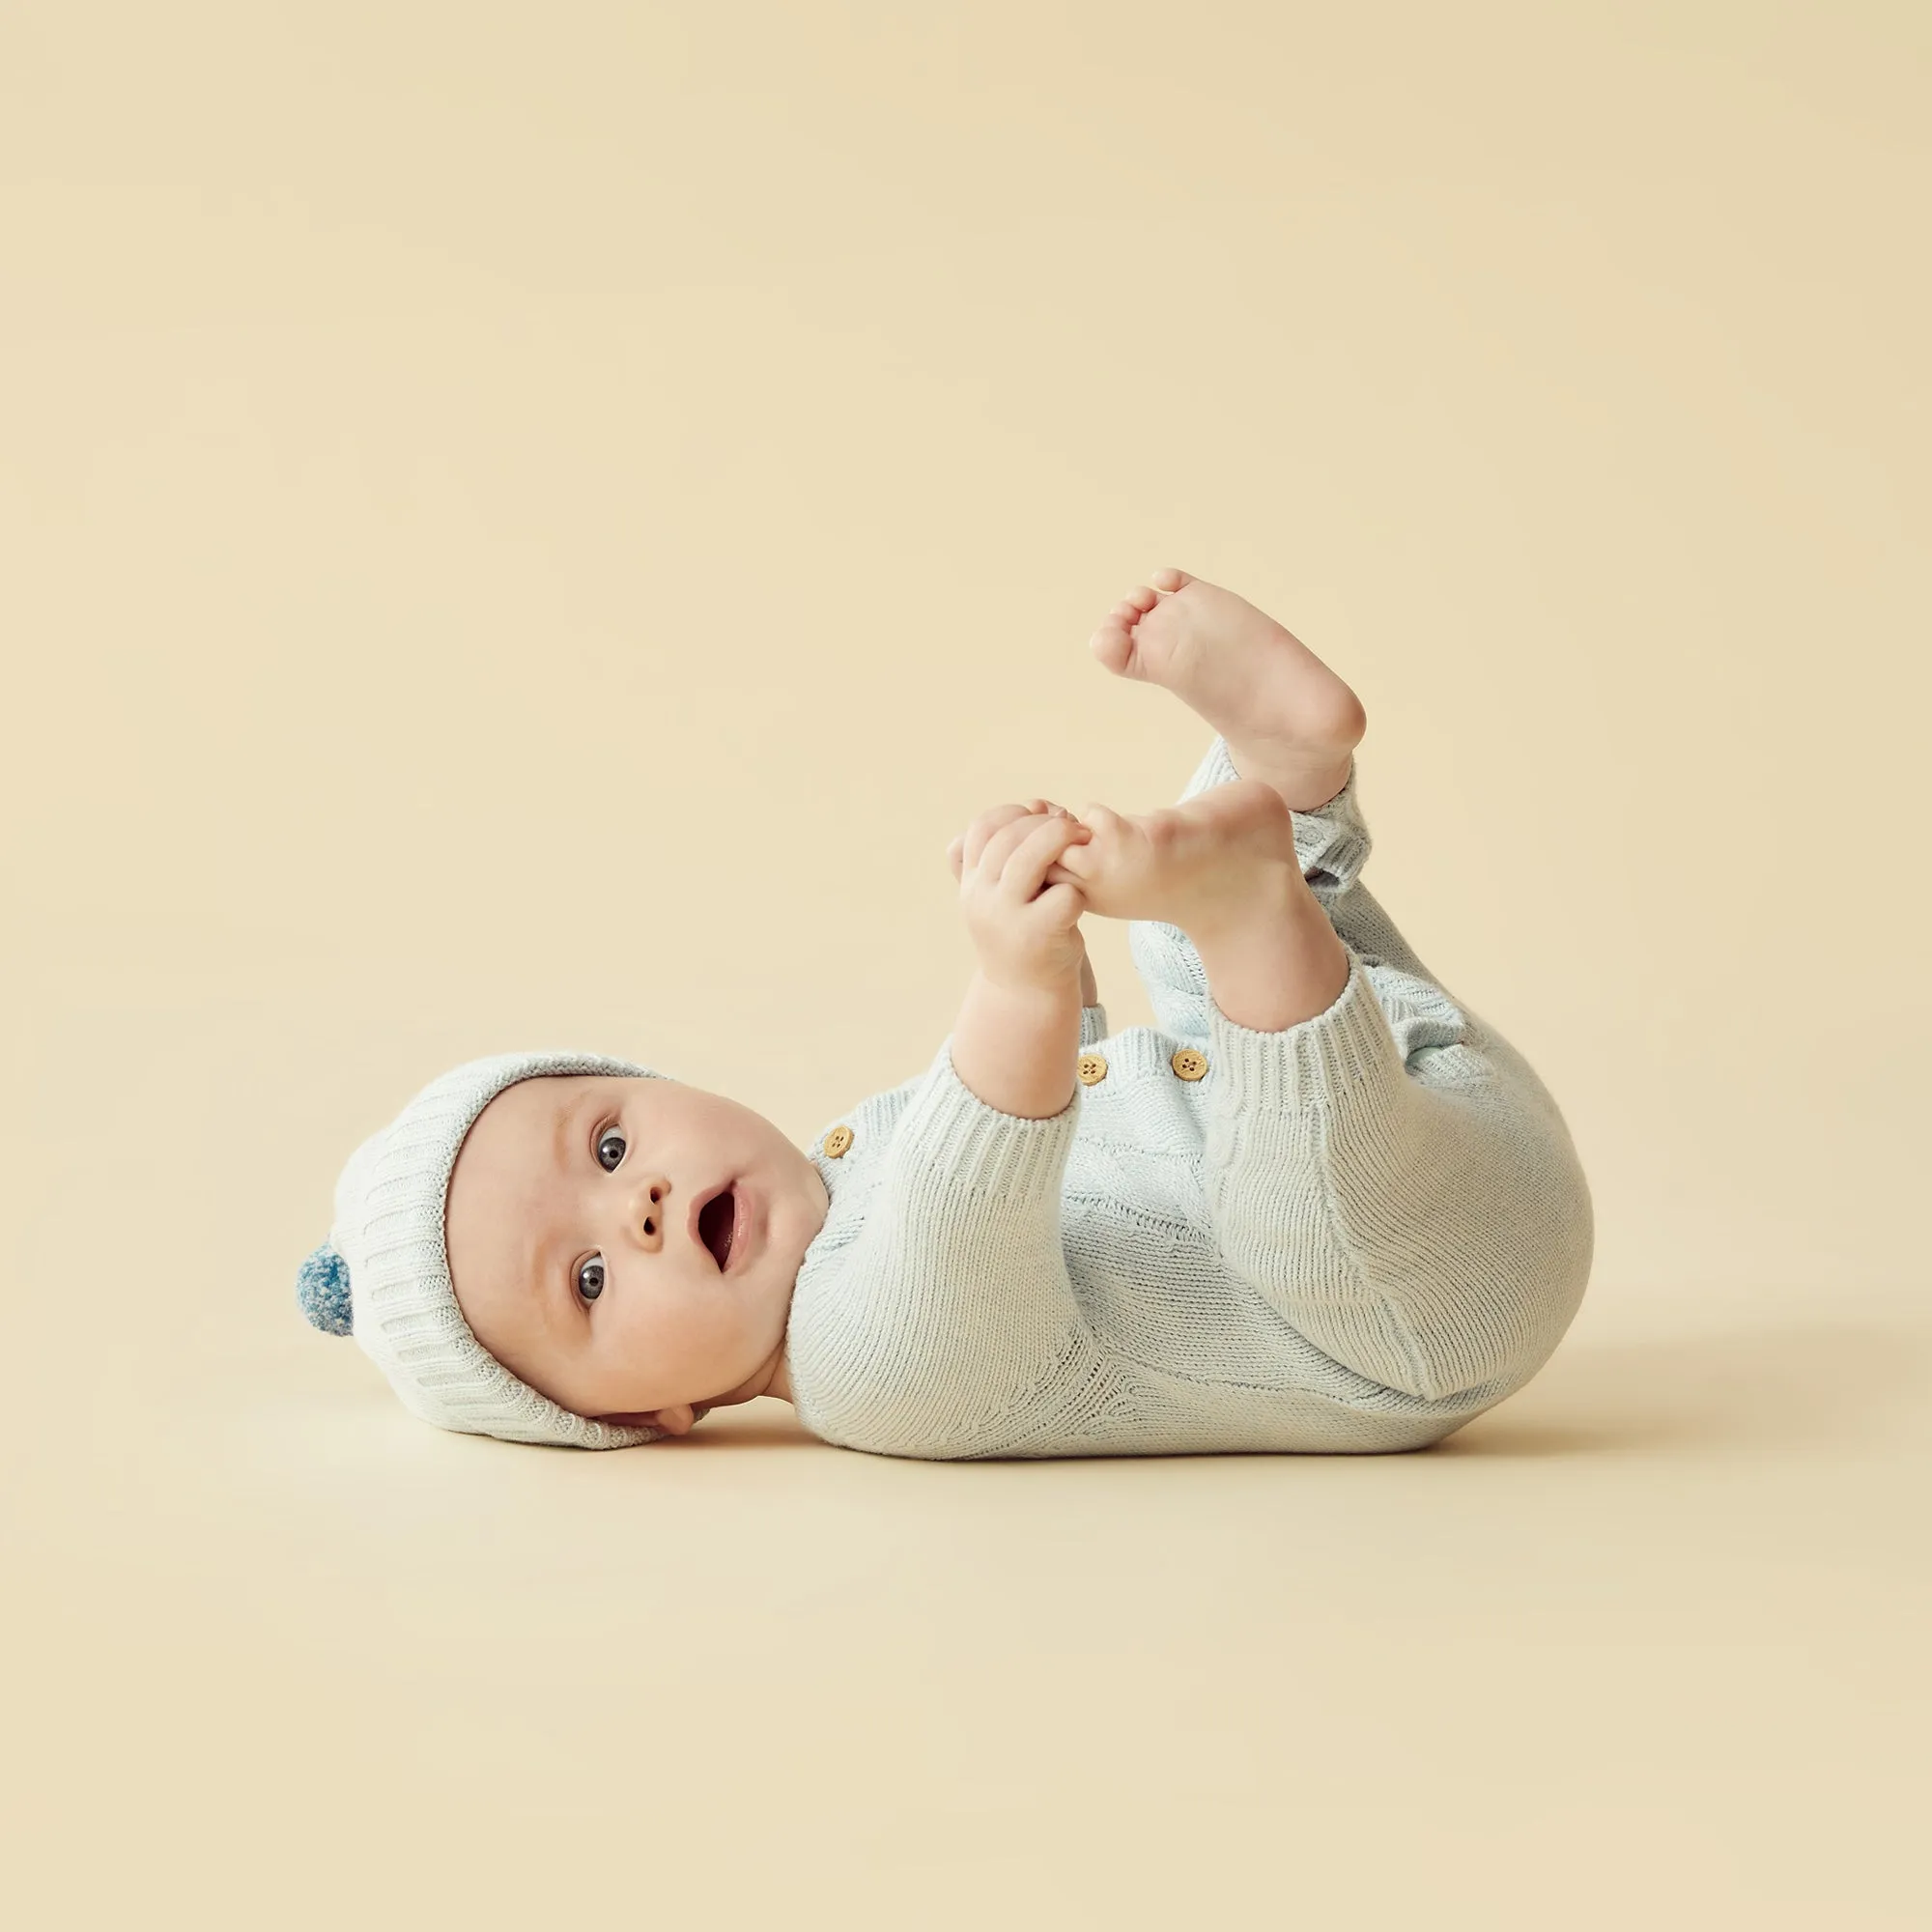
pixel 1353 1234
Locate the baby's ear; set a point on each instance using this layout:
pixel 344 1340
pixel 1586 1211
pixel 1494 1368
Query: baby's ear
pixel 678 1420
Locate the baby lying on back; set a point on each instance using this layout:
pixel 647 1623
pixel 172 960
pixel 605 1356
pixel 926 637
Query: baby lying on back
pixel 1320 1205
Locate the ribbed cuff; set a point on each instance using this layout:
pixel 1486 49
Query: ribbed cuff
pixel 1092 1023
pixel 1342 1056
pixel 948 1129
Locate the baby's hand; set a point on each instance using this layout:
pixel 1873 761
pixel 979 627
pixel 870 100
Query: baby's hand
pixel 1025 930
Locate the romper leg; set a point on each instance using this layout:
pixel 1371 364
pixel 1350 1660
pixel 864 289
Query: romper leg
pixel 1433 1233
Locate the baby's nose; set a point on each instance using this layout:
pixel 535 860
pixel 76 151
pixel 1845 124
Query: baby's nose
pixel 650 1211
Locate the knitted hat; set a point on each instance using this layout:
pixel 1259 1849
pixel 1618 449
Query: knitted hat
pixel 383 1272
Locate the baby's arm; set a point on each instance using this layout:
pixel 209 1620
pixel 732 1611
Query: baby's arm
pixel 1014 1046
pixel 958 1331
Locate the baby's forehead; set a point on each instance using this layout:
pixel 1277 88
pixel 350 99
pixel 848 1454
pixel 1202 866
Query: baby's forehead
pixel 509 1164
pixel 542 1095
pixel 522 1121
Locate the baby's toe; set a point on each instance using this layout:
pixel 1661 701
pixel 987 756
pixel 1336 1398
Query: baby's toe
pixel 1170 580
pixel 1113 645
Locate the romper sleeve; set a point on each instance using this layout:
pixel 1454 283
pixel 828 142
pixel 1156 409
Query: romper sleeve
pixel 959 1334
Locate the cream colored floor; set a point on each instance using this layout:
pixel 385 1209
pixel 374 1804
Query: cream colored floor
pixel 1644 1646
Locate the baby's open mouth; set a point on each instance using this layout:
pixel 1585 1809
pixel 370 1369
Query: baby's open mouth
pixel 717 1226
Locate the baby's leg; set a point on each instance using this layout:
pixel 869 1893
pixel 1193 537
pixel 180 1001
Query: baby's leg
pixel 1285 716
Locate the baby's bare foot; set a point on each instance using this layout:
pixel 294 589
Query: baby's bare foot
pixel 1287 717
pixel 1195 866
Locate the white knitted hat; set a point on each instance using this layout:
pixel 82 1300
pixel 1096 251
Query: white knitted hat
pixel 383 1272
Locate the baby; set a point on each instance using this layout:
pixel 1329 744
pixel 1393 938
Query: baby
pixel 1321 1206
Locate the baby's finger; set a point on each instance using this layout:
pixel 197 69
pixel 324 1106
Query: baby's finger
pixel 996 853
pixel 1058 908
pixel 987 826
pixel 1025 871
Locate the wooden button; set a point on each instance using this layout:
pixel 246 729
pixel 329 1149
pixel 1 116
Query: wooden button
pixel 1092 1067
pixel 837 1141
pixel 1188 1063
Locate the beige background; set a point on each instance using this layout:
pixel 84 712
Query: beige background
pixel 535 524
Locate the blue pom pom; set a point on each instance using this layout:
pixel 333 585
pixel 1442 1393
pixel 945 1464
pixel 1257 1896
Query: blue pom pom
pixel 322 1287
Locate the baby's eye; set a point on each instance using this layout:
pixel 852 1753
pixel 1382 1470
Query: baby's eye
pixel 591 1278
pixel 609 1149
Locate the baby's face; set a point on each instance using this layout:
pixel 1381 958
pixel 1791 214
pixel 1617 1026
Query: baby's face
pixel 577 1255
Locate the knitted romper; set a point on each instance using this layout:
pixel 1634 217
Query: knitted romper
pixel 1351 1234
